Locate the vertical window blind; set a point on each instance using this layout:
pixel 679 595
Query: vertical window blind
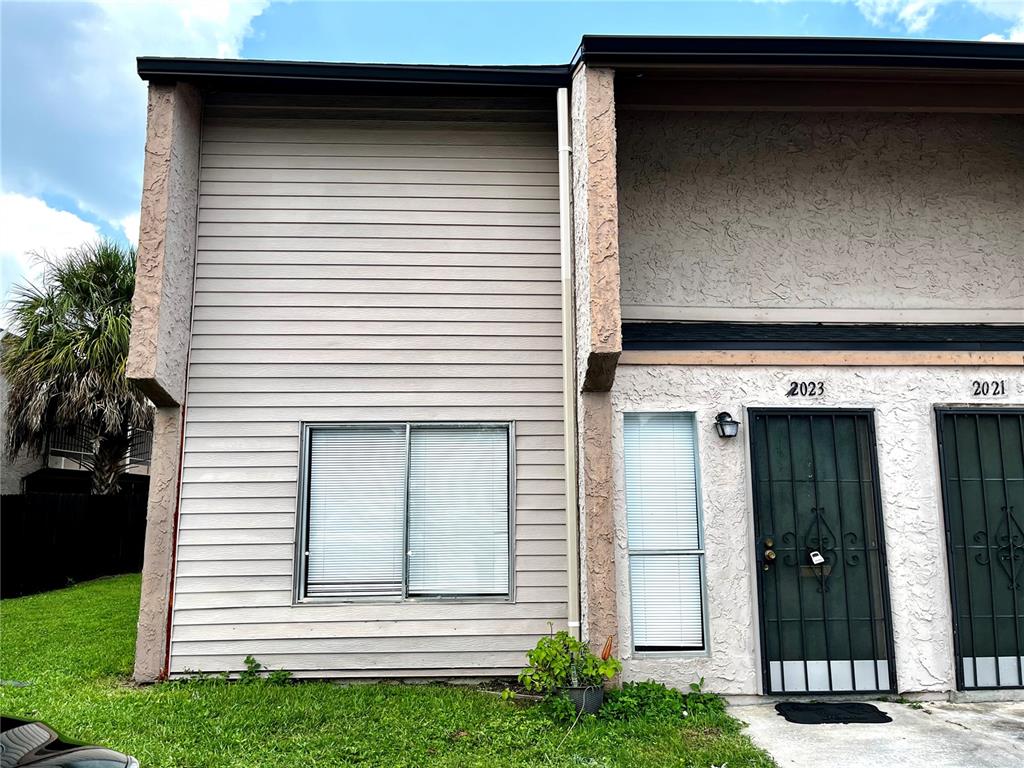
pixel 664 537
pixel 417 510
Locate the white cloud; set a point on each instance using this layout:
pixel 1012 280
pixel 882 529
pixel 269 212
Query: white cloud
pixel 78 60
pixel 915 16
pixel 130 226
pixel 108 42
pixel 1013 35
pixel 29 226
pixel 912 15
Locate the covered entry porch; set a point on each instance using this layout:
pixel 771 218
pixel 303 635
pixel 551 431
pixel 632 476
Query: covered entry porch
pixel 849 473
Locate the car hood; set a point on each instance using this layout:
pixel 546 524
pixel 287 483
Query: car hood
pixel 26 743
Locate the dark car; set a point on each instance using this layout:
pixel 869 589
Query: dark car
pixel 23 742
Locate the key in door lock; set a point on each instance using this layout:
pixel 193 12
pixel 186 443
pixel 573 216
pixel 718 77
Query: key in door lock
pixel 769 553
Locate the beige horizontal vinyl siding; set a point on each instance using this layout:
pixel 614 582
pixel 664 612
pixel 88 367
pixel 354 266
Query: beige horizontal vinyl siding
pixel 352 268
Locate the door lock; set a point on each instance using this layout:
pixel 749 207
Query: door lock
pixel 769 553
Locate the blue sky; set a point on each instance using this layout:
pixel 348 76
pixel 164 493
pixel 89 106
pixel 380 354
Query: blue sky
pixel 72 110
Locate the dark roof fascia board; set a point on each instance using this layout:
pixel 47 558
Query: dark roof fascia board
pixel 807 55
pixel 818 336
pixel 809 52
pixel 249 73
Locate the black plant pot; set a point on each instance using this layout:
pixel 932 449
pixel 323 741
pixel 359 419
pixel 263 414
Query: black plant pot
pixel 586 698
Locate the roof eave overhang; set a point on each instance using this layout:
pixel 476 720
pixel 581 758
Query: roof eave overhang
pixel 259 75
pixel 803 55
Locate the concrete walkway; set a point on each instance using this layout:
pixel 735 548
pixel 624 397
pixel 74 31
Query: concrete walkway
pixel 939 735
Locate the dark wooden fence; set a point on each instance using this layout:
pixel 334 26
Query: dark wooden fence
pixel 51 540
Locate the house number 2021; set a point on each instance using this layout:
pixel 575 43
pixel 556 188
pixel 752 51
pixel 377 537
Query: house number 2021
pixel 988 388
pixel 806 389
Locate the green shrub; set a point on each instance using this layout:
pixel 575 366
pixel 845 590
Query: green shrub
pixel 562 661
pixel 700 702
pixel 559 708
pixel 644 700
pixel 279 677
pixel 251 673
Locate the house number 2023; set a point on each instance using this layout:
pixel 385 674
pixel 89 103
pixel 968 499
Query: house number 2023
pixel 806 389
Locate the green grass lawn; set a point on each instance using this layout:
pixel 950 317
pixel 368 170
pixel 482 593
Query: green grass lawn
pixel 74 647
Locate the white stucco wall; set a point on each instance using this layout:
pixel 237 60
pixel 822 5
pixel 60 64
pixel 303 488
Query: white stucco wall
pixel 821 217
pixel 903 400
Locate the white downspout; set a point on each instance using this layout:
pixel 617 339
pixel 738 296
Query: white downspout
pixel 568 355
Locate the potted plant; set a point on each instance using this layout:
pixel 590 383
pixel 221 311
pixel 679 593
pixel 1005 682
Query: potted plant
pixel 562 665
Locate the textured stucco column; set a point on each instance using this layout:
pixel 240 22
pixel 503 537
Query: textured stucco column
pixel 598 338
pixel 600 614
pixel 161 321
pixel 151 644
pixel 596 227
pixel 162 304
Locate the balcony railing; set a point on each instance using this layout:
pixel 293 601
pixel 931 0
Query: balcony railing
pixel 76 444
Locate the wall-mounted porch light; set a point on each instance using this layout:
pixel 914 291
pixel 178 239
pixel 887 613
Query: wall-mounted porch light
pixel 726 425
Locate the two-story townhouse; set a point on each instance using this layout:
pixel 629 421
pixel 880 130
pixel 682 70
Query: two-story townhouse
pixel 349 313
pixel 822 241
pixel 759 301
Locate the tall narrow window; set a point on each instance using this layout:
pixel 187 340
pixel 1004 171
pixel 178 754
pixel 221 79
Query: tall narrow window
pixel 665 540
pixel 417 510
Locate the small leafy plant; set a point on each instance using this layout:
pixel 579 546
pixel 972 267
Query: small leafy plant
pixel 559 708
pixel 701 702
pixel 279 677
pixel 192 677
pixel 561 661
pixel 648 699
pixel 255 672
pixel 252 670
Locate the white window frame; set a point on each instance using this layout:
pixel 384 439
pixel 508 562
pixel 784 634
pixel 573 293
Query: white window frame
pixel 682 651
pixel 301 555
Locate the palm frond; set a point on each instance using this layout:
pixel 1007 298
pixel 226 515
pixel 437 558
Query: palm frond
pixel 65 356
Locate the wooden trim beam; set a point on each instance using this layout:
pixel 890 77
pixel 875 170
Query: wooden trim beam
pixel 821 358
pixel 739 314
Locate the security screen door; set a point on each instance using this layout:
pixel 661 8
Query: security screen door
pixel 983 494
pixel 820 554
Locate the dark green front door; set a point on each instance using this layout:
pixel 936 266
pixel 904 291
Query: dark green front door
pixel 982 454
pixel 820 553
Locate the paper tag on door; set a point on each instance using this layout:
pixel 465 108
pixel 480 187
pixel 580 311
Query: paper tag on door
pixel 816 558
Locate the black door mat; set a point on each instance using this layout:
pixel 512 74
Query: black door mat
pixel 838 712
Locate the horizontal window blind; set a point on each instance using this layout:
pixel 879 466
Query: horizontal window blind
pixel 663 531
pixel 356 510
pixel 666 595
pixel 459 510
pixel 417 510
pixel 661 481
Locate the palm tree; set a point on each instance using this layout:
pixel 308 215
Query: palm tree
pixel 65 359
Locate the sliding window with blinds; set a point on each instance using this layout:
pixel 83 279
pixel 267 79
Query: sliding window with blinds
pixel 664 537
pixel 407 510
pixel 356 509
pixel 458 510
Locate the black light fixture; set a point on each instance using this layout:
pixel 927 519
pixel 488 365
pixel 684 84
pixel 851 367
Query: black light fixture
pixel 726 425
